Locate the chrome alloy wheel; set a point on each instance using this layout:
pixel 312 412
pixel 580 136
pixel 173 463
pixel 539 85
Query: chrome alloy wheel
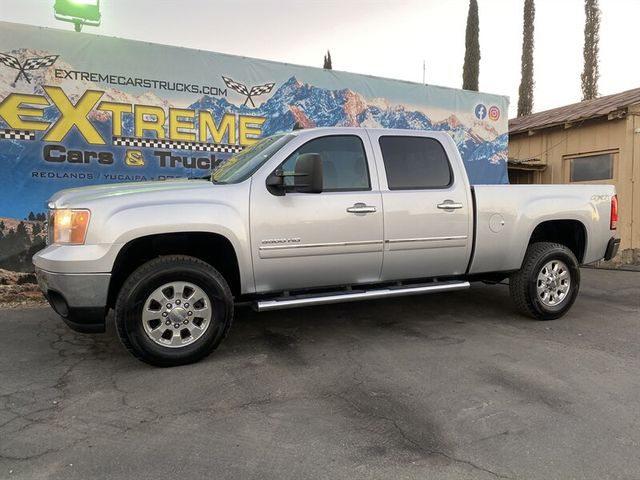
pixel 554 282
pixel 176 314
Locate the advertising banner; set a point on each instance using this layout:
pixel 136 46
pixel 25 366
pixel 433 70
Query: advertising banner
pixel 79 109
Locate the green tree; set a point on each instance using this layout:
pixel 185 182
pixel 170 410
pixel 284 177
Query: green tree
pixel 2 226
pixel 327 61
pixel 31 217
pixel 9 251
pixel 471 68
pixel 590 73
pixel 525 92
pixel 16 248
pixel 36 229
pixel 27 264
pixel 22 235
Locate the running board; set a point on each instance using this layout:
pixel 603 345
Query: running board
pixel 355 295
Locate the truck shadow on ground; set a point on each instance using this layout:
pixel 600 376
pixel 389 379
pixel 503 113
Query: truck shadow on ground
pixel 437 320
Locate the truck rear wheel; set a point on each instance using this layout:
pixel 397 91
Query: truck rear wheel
pixel 548 282
pixel 173 310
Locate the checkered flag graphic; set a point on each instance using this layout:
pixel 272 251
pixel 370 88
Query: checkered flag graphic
pixel 261 89
pixel 233 85
pixel 39 62
pixel 10 61
pixel 243 90
pixel 30 64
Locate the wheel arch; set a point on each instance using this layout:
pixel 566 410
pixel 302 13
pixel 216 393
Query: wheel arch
pixel 568 232
pixel 212 248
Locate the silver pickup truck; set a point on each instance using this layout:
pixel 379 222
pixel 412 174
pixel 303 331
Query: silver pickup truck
pixel 310 217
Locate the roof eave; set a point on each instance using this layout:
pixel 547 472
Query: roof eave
pixel 614 115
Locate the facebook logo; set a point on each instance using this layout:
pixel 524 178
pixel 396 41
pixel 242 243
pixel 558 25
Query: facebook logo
pixel 481 111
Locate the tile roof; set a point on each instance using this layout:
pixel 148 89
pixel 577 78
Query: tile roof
pixel 597 107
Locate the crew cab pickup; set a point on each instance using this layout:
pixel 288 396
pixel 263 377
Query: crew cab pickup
pixel 314 216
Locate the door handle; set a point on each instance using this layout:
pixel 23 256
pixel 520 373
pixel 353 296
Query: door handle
pixel 449 205
pixel 361 208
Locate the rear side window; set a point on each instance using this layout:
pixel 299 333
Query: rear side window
pixel 414 163
pixel 344 163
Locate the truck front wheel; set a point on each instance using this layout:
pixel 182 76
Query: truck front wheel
pixel 173 310
pixel 548 282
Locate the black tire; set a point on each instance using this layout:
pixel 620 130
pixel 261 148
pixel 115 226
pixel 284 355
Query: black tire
pixel 523 284
pixel 148 278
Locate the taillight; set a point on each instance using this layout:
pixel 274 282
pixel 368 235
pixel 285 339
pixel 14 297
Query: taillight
pixel 614 213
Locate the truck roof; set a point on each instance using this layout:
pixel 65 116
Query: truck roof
pixel 388 131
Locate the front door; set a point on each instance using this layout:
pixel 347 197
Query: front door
pixel 304 240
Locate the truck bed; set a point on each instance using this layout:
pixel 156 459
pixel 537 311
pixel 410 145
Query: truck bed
pixel 507 215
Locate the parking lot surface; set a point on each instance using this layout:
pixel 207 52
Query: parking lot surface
pixel 449 386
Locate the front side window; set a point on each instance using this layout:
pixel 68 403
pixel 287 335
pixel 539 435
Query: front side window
pixel 590 168
pixel 414 163
pixel 344 163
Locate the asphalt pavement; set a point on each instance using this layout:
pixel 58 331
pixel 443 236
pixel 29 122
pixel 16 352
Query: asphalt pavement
pixel 447 386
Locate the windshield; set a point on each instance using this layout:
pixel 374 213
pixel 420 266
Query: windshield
pixel 242 165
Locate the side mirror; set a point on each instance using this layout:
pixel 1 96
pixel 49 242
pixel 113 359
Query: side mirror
pixel 275 183
pixel 307 177
pixel 308 174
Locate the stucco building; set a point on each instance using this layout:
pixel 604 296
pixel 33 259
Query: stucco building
pixel 595 141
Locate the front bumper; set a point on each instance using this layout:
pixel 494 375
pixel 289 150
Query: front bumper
pixel 612 248
pixel 79 298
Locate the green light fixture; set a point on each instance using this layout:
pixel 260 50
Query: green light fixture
pixel 78 12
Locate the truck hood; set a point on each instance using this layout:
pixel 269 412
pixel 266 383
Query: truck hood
pixel 86 197
pixel 125 211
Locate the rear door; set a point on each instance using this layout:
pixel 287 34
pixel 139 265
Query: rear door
pixel 303 240
pixel 428 225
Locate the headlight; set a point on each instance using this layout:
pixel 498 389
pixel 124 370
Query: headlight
pixel 69 226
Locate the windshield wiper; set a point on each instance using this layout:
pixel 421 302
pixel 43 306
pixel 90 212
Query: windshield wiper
pixel 216 182
pixel 203 177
